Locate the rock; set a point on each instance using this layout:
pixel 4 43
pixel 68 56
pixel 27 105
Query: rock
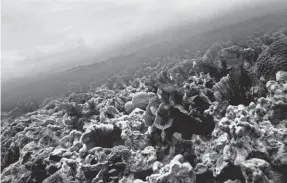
pixel 112 111
pixel 10 156
pixel 57 177
pixel 151 110
pixel 129 107
pixel 175 171
pixel 57 154
pixel 135 139
pixel 108 112
pixel 138 181
pixel 137 112
pixel 178 158
pixel 233 181
pixel 136 83
pixel 143 160
pixel 119 104
pixel 200 169
pixel 157 166
pixel 141 99
pixel 256 170
pixel 281 76
pixel 280 160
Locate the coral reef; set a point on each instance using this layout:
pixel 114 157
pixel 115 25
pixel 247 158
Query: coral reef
pixel 220 117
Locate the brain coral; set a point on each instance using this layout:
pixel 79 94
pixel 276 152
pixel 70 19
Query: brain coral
pixel 272 59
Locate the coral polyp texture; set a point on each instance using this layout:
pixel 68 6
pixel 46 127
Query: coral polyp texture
pixel 216 118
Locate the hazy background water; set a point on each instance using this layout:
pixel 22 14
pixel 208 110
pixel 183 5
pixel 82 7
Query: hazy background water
pixel 43 39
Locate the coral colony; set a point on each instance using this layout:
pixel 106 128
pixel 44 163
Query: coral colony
pixel 217 118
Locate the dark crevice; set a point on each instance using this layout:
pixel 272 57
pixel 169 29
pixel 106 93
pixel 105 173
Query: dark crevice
pixel 231 172
pixel 143 174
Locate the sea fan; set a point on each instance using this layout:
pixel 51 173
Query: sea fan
pixel 236 87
